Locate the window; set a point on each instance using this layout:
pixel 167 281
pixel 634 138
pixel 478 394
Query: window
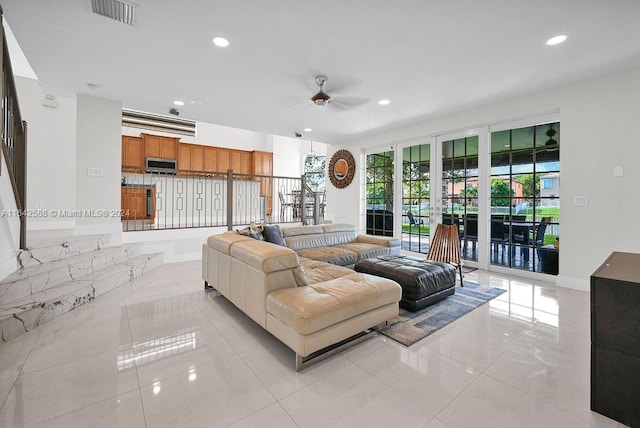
pixel 546 183
pixel 314 170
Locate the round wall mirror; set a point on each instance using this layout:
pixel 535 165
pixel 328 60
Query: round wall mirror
pixel 342 168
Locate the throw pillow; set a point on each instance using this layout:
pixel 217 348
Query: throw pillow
pixel 253 231
pixel 273 234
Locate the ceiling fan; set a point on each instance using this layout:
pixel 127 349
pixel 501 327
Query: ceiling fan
pixel 322 99
pixel 551 145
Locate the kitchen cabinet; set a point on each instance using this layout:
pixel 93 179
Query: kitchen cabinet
pixel 197 158
pixel 132 154
pixel 137 203
pixel 263 165
pixel 156 146
pixel 246 162
pixel 236 161
pixel 184 158
pixel 224 160
pixel 615 342
pixel 211 159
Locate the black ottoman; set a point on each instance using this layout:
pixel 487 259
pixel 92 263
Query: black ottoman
pixel 423 282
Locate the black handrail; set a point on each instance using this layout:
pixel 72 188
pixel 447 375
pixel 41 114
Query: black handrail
pixel 14 138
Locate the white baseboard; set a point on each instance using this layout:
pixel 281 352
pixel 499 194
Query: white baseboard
pixel 574 283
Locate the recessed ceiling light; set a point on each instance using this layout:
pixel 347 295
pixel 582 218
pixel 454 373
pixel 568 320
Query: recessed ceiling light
pixel 556 40
pixel 308 129
pixel 178 103
pixel 220 41
pixel 384 102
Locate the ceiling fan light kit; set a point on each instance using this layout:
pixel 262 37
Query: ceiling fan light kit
pixel 321 99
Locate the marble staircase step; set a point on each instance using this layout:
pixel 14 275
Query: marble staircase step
pixel 29 312
pixel 35 278
pixel 47 250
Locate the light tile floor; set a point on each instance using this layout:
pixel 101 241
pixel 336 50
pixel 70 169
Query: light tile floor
pixel 162 352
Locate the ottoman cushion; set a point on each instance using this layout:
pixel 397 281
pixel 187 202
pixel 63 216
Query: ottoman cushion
pixel 423 281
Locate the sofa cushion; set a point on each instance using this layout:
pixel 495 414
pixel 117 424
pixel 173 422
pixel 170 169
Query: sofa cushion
pixel 264 256
pixel 338 227
pixel 224 241
pixel 312 308
pixel 321 271
pixel 303 237
pixel 365 250
pixel 333 255
pixel 273 234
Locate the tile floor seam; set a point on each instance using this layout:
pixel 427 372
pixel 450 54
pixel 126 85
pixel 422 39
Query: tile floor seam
pixel 288 414
pixel 475 379
pixel 144 416
pixel 13 384
pixel 552 404
pixel 400 392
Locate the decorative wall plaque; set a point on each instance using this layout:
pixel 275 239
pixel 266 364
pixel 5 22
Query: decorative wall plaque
pixel 342 168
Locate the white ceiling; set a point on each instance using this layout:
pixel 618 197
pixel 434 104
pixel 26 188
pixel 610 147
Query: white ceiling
pixel 429 57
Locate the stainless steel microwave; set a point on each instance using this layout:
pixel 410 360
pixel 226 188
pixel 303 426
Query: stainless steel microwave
pixel 162 165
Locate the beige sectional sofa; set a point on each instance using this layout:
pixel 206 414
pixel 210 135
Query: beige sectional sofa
pixel 308 304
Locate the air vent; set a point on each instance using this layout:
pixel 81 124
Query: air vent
pixel 115 9
pixel 156 122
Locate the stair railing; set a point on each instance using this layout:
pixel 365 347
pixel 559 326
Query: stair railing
pixel 14 138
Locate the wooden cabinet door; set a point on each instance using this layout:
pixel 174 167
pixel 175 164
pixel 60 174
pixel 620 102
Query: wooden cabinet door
pixel 169 148
pixel 210 159
pixel 197 158
pixel 133 203
pixel 132 154
pixel 184 158
pixel 151 145
pixel 156 146
pixel 245 162
pixel 262 163
pixel 224 160
pixel 236 161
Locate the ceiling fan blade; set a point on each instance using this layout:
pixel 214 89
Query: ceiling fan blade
pixel 349 102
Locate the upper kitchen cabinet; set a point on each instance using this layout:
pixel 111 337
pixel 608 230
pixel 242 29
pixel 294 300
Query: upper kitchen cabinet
pixel 210 159
pixel 262 163
pixel 132 154
pixel 156 146
pixel 191 157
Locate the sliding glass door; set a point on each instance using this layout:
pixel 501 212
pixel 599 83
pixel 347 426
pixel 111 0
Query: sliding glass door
pixel 498 184
pixel 460 185
pixel 379 188
pixel 416 204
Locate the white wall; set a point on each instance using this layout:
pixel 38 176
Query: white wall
pixel 51 147
pixel 98 133
pixel 600 130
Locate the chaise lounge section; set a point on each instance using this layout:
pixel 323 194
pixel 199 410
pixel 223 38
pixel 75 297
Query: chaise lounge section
pixel 307 304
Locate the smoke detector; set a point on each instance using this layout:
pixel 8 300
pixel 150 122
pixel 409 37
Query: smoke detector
pixel 115 9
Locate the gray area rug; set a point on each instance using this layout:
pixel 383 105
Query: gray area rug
pixel 410 327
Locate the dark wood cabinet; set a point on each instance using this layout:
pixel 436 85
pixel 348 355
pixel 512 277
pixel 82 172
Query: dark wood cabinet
pixel 615 338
